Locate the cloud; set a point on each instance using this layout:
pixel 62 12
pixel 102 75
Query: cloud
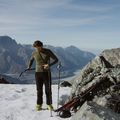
pixel 34 15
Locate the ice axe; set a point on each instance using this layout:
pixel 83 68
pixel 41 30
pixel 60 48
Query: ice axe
pixel 25 71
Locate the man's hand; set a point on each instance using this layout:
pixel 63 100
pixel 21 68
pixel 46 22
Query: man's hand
pixel 46 66
pixel 28 68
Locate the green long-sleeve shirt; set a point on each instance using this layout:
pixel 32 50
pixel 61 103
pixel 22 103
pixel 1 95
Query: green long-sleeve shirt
pixel 45 56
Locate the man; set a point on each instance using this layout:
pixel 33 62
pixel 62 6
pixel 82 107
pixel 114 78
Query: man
pixel 44 59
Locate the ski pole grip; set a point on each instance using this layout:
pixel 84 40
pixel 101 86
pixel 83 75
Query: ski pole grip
pixel 59 65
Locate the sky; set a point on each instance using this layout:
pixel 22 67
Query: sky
pixel 86 24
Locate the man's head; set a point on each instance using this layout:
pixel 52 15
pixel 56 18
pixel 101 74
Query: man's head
pixel 37 43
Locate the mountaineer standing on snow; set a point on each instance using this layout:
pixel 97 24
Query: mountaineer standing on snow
pixel 44 59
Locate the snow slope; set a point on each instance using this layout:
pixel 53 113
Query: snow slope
pixel 17 102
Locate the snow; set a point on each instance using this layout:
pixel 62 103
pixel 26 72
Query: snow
pixel 17 102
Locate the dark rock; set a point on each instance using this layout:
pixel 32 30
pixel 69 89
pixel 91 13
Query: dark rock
pixel 113 102
pixel 3 81
pixel 65 84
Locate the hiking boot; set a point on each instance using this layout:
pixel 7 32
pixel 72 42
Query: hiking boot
pixel 38 107
pixel 49 107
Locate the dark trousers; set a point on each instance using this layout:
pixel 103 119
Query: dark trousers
pixel 43 78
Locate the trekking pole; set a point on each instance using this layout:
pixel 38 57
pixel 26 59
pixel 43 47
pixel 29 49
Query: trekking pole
pixel 59 70
pixel 50 97
pixel 25 71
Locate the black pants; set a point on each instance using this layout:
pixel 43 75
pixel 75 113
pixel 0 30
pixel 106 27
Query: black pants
pixel 43 78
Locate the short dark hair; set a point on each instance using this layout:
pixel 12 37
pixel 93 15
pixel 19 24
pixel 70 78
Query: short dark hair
pixel 37 43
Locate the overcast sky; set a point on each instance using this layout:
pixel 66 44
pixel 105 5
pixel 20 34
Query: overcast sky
pixel 87 24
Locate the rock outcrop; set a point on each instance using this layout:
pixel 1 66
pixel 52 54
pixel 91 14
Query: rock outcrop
pixel 105 68
pixel 93 111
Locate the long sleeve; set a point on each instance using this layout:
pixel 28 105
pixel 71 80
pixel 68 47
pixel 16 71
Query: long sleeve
pixel 30 61
pixel 53 56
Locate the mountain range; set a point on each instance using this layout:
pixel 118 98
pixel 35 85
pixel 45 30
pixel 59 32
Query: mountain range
pixel 14 57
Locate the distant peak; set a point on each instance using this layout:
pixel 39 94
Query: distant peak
pixel 6 40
